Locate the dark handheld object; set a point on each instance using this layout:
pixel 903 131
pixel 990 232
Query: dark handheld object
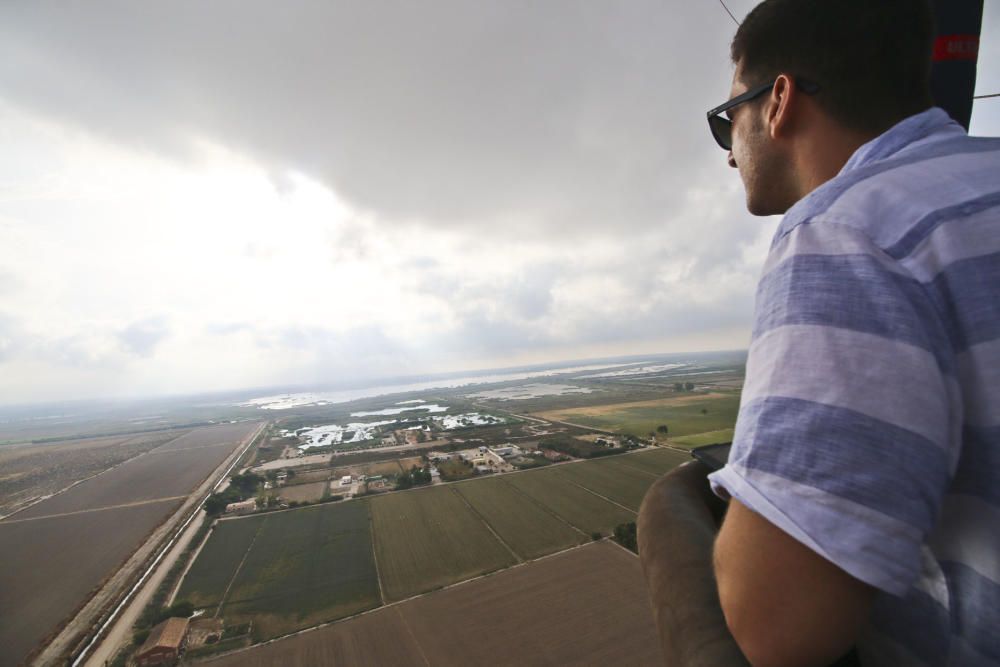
pixel 956 52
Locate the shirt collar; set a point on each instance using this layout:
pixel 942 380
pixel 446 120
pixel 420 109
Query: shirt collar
pixel 904 133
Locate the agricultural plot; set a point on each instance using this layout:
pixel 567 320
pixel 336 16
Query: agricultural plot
pixel 51 565
pixel 577 506
pixel 430 538
pixel 305 567
pixel 656 461
pixel 625 486
pixel 78 538
pixel 709 438
pixel 586 606
pixel 686 414
pixel 217 561
pixel 170 470
pixel 34 471
pixel 521 523
pixel 303 493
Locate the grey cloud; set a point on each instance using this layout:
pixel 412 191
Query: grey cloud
pixel 142 337
pixel 536 118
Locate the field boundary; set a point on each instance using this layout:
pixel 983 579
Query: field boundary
pixel 486 523
pixel 236 572
pixel 544 507
pixel 628 509
pixel 371 543
pixel 137 503
pixel 191 559
pixel 409 631
pixel 644 472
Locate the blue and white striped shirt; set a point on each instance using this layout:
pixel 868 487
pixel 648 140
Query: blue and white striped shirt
pixel 869 427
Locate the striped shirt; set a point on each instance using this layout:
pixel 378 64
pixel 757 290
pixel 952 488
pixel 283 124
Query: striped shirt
pixel 869 427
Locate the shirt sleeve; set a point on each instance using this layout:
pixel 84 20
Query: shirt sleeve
pixel 846 436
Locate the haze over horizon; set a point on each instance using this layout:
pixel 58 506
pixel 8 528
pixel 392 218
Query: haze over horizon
pixel 200 198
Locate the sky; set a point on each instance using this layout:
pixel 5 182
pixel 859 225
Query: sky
pixel 209 196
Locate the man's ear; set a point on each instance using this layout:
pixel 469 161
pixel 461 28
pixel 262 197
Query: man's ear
pixel 779 106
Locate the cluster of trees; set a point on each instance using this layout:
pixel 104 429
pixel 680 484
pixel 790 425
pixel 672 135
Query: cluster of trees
pixel 683 386
pixel 415 476
pixel 240 488
pixel 581 449
pixel 625 535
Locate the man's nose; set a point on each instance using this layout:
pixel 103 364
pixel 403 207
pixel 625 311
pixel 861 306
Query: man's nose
pixel 731 160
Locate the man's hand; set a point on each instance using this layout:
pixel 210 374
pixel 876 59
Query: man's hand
pixel 784 603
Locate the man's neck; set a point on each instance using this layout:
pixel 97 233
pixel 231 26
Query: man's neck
pixel 821 154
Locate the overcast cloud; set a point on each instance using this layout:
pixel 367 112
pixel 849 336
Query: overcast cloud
pixel 199 196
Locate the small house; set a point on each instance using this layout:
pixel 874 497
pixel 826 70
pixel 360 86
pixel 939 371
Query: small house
pixel 164 644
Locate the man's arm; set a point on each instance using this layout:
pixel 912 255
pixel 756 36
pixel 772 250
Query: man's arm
pixel 784 603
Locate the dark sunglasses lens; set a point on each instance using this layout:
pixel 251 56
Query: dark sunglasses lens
pixel 722 130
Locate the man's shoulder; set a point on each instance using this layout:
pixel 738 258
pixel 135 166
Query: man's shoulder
pixel 887 199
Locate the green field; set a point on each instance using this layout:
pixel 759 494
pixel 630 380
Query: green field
pixel 655 461
pixel 303 568
pixel 701 439
pixel 683 415
pixel 217 561
pixel 429 538
pixel 625 486
pixel 527 528
pixel 295 569
pixel 573 504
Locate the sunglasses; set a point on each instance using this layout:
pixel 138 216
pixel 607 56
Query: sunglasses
pixel 722 127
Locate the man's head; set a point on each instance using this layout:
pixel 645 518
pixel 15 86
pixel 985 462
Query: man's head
pixel 870 61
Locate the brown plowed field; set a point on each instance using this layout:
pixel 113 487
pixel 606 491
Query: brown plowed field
pixel 52 565
pixel 169 470
pixel 587 606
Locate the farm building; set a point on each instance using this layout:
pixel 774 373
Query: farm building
pixel 164 644
pixel 242 507
pixel 506 451
pixel 345 480
pixel 435 457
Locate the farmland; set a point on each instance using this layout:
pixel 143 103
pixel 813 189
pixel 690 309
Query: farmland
pixel 578 507
pixel 305 566
pixel 303 493
pixel 430 538
pixel 654 461
pixel 528 529
pixel 709 438
pixel 82 536
pixel 685 414
pixel 623 485
pixel 169 470
pixel 288 570
pixel 52 564
pixel 217 562
pixel 584 606
pixel 34 471
pixel 311 566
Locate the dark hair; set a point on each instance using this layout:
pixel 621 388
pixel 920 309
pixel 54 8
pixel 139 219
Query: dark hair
pixel 871 58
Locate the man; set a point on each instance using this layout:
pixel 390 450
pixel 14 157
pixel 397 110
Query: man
pixel 864 477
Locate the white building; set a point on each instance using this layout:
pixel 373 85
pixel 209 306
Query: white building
pixel 242 507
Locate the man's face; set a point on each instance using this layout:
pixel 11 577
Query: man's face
pixel 762 167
